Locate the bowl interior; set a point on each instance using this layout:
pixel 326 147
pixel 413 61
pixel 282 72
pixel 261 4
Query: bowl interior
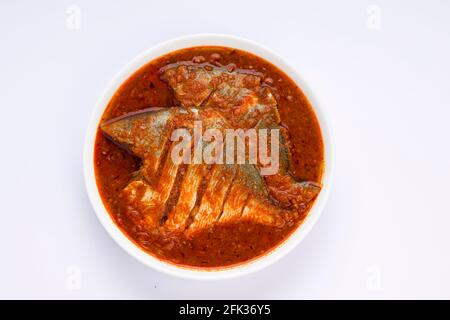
pixel 127 244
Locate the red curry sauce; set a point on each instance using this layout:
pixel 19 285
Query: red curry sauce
pixel 223 245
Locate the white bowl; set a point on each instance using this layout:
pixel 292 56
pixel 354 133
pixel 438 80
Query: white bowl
pixel 196 273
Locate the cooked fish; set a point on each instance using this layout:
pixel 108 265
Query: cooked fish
pixel 193 84
pixel 192 197
pixel 239 97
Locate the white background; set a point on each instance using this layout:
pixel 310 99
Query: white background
pixel 385 232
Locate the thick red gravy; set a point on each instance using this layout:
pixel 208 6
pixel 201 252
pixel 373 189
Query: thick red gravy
pixel 219 246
